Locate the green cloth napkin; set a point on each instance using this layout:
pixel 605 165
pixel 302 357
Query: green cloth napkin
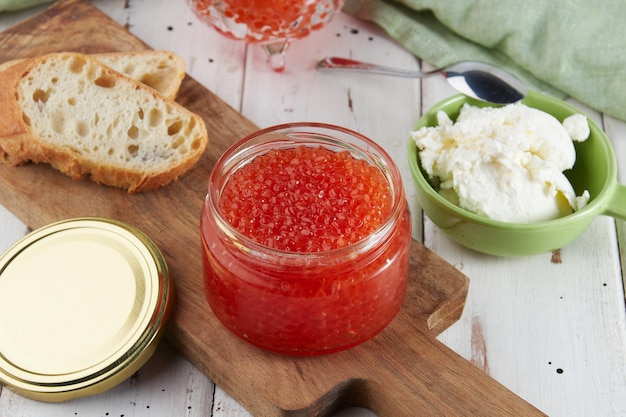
pixel 565 48
pixel 12 5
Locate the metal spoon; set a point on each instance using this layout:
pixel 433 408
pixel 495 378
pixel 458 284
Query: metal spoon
pixel 474 79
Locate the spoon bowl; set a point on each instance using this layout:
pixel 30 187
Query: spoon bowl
pixel 474 79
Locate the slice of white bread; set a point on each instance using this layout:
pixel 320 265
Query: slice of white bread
pixel 162 70
pixel 85 119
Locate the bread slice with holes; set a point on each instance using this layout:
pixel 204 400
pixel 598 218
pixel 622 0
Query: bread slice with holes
pixel 75 113
pixel 162 70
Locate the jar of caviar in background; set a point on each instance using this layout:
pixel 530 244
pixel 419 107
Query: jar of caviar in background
pixel 305 239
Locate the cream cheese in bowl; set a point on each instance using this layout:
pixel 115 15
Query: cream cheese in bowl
pixel 504 163
pixel 594 173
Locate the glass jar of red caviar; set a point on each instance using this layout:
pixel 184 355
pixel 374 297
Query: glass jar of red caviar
pixel 305 239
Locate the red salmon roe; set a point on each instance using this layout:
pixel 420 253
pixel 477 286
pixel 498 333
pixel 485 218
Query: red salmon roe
pixel 306 199
pixel 325 294
pixel 271 19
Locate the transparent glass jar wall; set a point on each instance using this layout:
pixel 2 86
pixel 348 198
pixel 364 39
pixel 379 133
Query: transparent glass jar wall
pixel 305 303
pixel 273 24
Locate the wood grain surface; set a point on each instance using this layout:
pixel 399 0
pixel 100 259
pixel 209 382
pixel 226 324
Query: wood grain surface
pixel 404 371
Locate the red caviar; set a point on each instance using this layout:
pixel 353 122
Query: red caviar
pixel 305 245
pixel 306 199
pixel 266 20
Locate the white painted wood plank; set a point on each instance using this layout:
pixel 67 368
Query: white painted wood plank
pixel 616 131
pixel 11 229
pixel 167 385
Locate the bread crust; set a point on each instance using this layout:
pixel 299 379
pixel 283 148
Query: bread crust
pixel 19 144
pixel 14 134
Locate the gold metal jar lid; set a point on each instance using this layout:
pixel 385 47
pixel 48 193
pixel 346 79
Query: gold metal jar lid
pixel 82 307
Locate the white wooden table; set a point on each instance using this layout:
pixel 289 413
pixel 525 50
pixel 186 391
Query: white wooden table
pixel 552 327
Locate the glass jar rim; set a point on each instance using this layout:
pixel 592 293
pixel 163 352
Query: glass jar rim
pixel 292 134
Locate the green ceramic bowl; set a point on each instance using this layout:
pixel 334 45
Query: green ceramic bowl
pixel 595 170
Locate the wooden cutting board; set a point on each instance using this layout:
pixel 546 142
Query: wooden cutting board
pixel 404 371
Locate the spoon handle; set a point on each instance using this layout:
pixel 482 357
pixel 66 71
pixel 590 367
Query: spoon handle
pixel 337 63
